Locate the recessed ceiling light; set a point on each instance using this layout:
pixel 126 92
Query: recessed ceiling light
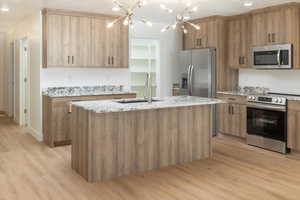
pixel 4 9
pixel 248 3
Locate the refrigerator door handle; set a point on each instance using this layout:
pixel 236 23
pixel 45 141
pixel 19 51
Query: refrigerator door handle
pixel 191 80
pixel 188 79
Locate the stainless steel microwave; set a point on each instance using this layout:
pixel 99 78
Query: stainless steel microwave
pixel 273 57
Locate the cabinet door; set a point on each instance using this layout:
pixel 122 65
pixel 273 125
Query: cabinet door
pixel 200 40
pixel 294 129
pixel 58 41
pixel 259 29
pixel 234 44
pixel 100 52
pixel 80 41
pixel 118 46
pixel 223 118
pixel 245 32
pixel 60 123
pixel 239 120
pixel 189 38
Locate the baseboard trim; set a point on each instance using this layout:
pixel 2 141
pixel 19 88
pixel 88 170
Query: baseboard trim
pixel 38 136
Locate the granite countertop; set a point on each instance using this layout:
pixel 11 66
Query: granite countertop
pixel 288 97
pixel 85 91
pixel 105 106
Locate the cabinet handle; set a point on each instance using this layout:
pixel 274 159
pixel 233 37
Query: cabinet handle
pixel 240 60
pixel 200 42
pixel 269 37
pixel 68 59
pixel 112 60
pixel 109 60
pixel 72 59
pixel 232 111
pixel 273 37
pixel 229 109
pixel 243 60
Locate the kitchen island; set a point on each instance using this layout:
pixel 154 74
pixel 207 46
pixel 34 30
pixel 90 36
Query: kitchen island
pixel 112 139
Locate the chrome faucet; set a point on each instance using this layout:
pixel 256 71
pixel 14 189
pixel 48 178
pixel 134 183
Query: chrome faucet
pixel 148 87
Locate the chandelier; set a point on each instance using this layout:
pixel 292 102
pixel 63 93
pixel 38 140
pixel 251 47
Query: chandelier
pixel 128 18
pixel 182 18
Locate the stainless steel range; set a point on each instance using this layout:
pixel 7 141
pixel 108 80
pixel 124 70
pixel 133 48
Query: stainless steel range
pixel 267 122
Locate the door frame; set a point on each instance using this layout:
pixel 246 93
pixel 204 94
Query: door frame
pixel 24 82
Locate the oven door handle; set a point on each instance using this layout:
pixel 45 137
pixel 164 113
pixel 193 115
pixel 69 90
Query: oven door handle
pixel 267 107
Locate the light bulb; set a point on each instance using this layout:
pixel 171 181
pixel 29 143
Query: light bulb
pixel 186 17
pixel 110 25
pixel 126 22
pixel 5 9
pixel 170 10
pixel 116 9
pixel 149 23
pixel 248 3
pixel 195 9
pixel 144 2
pixel 163 6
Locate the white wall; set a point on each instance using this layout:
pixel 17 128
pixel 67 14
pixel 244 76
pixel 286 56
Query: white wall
pixel 169 47
pixel 286 81
pixel 2 71
pixel 31 27
pixel 57 77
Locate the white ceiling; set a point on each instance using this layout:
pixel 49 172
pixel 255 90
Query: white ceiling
pixel 21 8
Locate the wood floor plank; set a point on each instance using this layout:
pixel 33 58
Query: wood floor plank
pixel 30 170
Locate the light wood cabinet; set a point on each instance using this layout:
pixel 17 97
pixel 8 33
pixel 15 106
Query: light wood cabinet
pixel 275 25
pixel 232 116
pixel 205 37
pixel 75 39
pixel 293 137
pixel 238 32
pixel 56 116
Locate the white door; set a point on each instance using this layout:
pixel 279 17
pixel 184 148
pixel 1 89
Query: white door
pixel 25 94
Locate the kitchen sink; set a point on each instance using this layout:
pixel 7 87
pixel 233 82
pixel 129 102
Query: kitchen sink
pixel 128 101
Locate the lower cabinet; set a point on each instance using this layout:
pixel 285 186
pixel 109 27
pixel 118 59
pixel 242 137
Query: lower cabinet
pixel 293 137
pixel 232 116
pixel 56 117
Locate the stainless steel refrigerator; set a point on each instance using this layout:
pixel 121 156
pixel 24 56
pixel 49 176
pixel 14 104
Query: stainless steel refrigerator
pixel 198 72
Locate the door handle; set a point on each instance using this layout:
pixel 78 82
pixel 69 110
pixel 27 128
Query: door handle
pixel 278 57
pixel 273 37
pixel 191 80
pixel 188 81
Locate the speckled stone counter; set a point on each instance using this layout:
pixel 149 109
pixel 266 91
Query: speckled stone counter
pixel 85 91
pixel 168 102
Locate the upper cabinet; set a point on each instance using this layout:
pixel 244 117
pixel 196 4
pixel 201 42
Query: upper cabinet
pixel 205 37
pixel 238 40
pixel 73 39
pixel 278 25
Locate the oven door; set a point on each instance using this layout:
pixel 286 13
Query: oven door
pixel 273 57
pixel 266 123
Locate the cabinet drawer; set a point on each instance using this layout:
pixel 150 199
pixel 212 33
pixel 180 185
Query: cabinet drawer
pixel 233 98
pixel 294 105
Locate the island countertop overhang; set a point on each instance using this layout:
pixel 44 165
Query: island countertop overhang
pixel 108 106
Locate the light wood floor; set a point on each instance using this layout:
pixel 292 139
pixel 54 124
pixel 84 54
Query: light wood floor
pixel 30 170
